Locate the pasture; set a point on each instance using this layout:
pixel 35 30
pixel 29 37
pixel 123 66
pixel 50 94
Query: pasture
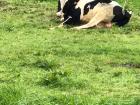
pixel 39 66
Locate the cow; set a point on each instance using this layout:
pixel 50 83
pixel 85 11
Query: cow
pixel 95 12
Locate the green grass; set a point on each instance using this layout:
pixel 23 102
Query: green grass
pixel 39 66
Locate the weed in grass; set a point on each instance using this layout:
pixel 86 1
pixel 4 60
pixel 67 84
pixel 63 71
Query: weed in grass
pixel 41 64
pixel 98 69
pixel 117 74
pixel 53 78
pixel 62 80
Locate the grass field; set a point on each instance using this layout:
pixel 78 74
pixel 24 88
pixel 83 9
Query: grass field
pixel 39 66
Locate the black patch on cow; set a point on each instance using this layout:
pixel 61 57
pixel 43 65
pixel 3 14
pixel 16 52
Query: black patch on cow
pixel 92 4
pixel 89 6
pixel 105 1
pixel 70 11
pixel 59 6
pixel 121 17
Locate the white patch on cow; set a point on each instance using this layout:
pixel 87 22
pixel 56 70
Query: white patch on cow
pixel 89 6
pixel 114 3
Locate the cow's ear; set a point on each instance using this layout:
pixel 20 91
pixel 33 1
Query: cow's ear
pixel 128 13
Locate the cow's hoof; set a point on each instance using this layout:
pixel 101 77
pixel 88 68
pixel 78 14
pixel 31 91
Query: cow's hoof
pixel 108 25
pixel 61 25
pixel 59 14
pixel 62 19
pixel 76 28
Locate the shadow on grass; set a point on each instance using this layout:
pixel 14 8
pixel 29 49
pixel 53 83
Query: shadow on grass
pixel 127 65
pixel 41 64
pixel 62 80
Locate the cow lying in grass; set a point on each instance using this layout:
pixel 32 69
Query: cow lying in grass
pixel 100 13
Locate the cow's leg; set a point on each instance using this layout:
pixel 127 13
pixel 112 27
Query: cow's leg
pixel 59 9
pixel 59 6
pixel 62 3
pixel 93 22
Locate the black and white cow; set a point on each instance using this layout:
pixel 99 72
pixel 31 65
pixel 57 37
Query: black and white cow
pixel 88 11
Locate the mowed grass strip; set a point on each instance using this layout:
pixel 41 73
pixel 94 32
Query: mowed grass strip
pixel 40 66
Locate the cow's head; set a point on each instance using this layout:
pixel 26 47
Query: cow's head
pixel 126 17
pixel 71 14
pixel 122 17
